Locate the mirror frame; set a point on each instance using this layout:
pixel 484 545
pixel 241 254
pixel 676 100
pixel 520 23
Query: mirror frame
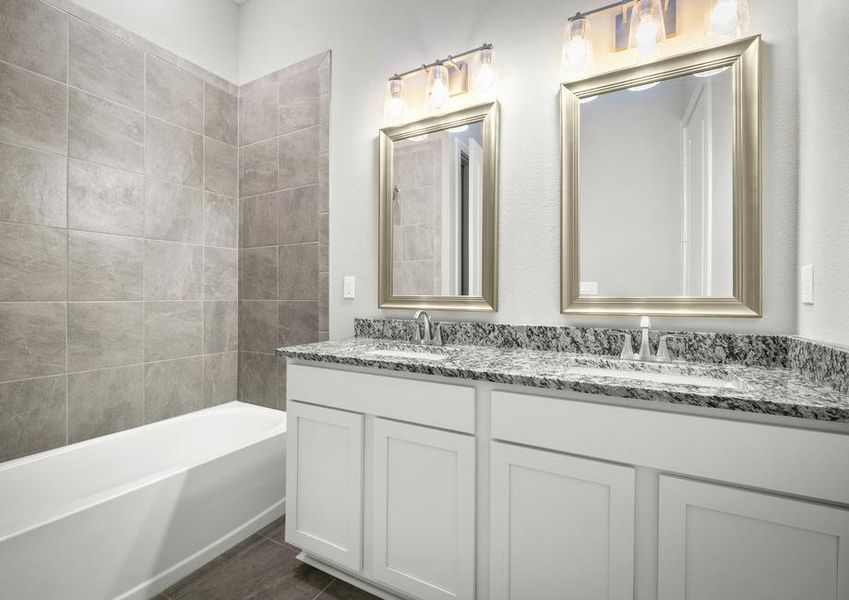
pixel 744 58
pixel 488 302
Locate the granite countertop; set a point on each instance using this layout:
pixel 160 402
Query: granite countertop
pixel 761 390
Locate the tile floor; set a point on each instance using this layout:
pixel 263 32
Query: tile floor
pixel 263 567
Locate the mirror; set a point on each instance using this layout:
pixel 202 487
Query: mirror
pixel 437 202
pixel 661 188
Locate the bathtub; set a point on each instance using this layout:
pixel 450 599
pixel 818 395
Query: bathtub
pixel 128 514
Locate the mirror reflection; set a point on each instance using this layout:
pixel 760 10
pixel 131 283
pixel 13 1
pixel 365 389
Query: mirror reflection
pixel 437 213
pixel 656 189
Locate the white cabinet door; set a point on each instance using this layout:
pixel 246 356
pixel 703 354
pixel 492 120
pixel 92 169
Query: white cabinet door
pixel 324 483
pixel 562 527
pixel 424 510
pixel 724 543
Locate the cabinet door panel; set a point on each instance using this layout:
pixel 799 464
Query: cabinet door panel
pixel 324 483
pixel 722 542
pixel 424 510
pixel 562 527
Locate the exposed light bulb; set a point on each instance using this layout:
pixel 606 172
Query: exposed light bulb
pixel 437 87
pixel 646 35
pixel 577 48
pixel 419 138
pixel 393 111
pixel 724 17
pixel 458 129
pixel 645 86
pixel 485 79
pixel 711 72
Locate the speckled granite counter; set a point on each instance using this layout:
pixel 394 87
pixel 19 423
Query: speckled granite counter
pixel 762 390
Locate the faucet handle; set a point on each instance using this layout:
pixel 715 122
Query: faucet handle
pixel 663 349
pixel 627 352
pixel 437 335
pixel 417 333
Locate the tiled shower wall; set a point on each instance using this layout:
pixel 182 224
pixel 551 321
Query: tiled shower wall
pixel 118 230
pixel 283 259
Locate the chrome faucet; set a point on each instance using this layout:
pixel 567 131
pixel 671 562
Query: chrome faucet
pixel 663 354
pixel 431 336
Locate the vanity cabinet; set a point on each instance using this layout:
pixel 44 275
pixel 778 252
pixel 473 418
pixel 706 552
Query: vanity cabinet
pixel 324 484
pixel 720 542
pixel 423 512
pixel 560 523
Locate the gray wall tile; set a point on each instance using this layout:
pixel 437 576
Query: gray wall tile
pixel 221 326
pixel 173 212
pixel 258 168
pixel 297 323
pixel 220 166
pixel 34 35
pixel 299 158
pixel 144 44
pixel 220 221
pixel 33 337
pixel 258 378
pixel 221 115
pixel 298 278
pixel 172 329
pixel 173 153
pixel 220 378
pixel 258 221
pixel 33 189
pixel 104 199
pixel 104 65
pixel 104 334
pixel 105 401
pixel 106 133
pixel 257 325
pixel 32 416
pixel 173 271
pixel 221 274
pixel 324 124
pixel 33 110
pixel 281 385
pixel 258 108
pixel 172 388
pixel 105 267
pixel 323 185
pixel 297 215
pixel 33 263
pixel 323 242
pixel 258 273
pixel 72 8
pixel 299 100
pixel 174 95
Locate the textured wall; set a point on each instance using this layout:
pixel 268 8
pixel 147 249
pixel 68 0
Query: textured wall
pixel 284 128
pixel 118 231
pixel 824 176
pixel 372 39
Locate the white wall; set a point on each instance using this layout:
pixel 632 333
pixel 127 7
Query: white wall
pixel 205 32
pixel 372 39
pixel 824 174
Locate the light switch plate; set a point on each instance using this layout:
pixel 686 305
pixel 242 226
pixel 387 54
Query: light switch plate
pixel 348 287
pixel 807 284
pixel 589 288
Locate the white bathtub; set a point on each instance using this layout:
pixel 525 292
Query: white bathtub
pixel 127 515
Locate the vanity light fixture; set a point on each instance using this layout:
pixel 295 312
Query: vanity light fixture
pixel 726 19
pixel 577 47
pixel 446 77
pixel 647 27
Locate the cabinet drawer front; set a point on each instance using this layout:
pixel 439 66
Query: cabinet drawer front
pixel 324 483
pixel 749 454
pixel 434 404
pixel 562 527
pixel 722 542
pixel 424 511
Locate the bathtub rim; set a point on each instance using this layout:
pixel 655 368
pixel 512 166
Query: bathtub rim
pixel 107 495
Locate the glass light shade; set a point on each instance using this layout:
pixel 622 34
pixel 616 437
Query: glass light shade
pixel 648 31
pixel 726 19
pixel 437 87
pixel 577 49
pixel 395 106
pixel 486 79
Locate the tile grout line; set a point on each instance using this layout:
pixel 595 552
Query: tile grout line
pixel 324 589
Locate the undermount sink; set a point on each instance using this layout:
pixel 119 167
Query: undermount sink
pixel 408 354
pixel 656 377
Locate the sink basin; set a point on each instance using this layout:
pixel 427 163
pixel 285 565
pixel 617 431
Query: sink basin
pixel 656 377
pixel 408 354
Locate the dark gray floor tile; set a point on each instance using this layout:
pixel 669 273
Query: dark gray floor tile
pixel 340 590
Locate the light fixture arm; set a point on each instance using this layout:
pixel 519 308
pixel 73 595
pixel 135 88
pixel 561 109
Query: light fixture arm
pixel 450 60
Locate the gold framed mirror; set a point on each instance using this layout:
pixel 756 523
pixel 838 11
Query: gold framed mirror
pixel 661 191
pixel 438 212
